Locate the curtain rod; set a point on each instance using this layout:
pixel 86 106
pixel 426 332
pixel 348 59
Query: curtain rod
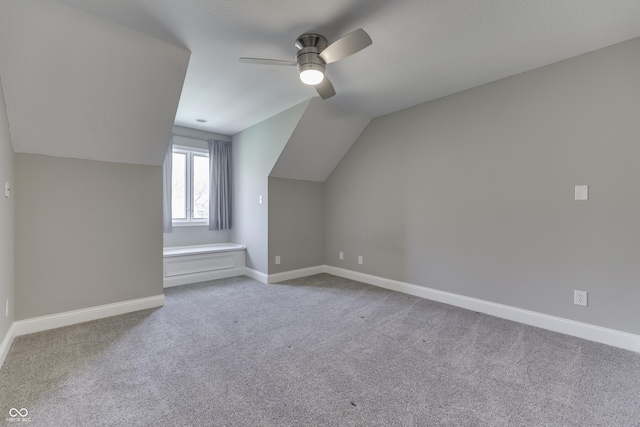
pixel 199 139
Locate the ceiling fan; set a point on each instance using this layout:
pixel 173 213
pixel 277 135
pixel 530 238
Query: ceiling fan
pixel 314 53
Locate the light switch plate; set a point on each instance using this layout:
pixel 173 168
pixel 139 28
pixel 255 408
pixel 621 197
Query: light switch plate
pixel 582 192
pixel 7 189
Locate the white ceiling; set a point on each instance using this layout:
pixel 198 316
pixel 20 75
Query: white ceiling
pixel 422 50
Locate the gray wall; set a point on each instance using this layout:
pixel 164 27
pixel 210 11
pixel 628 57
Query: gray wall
pixel 195 235
pixel 255 151
pixel 322 137
pixel 6 223
pixel 88 233
pixel 202 135
pixel 473 193
pixel 295 224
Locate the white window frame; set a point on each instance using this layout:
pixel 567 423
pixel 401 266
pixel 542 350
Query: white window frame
pixel 190 152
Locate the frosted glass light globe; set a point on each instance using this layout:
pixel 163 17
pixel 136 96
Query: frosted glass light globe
pixel 311 77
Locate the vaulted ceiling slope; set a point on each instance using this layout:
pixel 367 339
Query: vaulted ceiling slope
pixel 422 50
pixel 79 86
pixel 323 135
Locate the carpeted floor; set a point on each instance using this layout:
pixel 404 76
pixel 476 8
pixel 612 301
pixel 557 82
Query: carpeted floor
pixel 318 351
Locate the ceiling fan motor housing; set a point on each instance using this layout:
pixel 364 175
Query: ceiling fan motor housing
pixel 309 48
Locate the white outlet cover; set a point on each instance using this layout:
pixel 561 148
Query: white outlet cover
pixel 582 192
pixel 580 298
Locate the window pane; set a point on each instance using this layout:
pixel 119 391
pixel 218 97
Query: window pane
pixel 200 187
pixel 179 186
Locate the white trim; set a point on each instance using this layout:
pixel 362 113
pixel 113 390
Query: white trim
pixel 184 265
pixel 207 248
pixel 257 275
pixel 190 153
pixel 6 343
pixel 294 274
pixel 191 278
pixel 44 323
pixel 586 331
pixel 186 148
pixel 179 223
pixel 599 334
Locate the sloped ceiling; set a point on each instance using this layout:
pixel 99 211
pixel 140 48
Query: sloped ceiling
pixel 82 87
pixel 81 80
pixel 321 138
pixel 422 50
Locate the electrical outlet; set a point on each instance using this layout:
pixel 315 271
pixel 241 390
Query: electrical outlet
pixel 360 260
pixel 341 255
pixel 277 259
pixel 580 298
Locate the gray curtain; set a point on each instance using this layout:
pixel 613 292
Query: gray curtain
pixel 220 185
pixel 167 226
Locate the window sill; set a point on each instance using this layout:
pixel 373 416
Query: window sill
pixel 190 224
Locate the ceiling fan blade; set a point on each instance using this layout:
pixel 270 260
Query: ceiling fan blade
pixel 325 88
pixel 353 42
pixel 263 61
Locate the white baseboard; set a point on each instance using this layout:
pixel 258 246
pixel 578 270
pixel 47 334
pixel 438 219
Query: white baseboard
pixel 6 343
pixel 44 323
pixel 586 331
pixel 286 275
pixel 599 334
pixel 294 274
pixel 257 275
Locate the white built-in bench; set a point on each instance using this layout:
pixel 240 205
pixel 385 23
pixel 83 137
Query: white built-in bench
pixel 199 263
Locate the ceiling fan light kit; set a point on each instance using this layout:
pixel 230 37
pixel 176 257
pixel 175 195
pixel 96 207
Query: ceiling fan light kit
pixel 313 55
pixel 310 66
pixel 311 74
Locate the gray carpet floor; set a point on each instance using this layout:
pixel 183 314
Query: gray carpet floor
pixel 317 351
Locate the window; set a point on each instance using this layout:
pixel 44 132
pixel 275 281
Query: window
pixel 190 186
